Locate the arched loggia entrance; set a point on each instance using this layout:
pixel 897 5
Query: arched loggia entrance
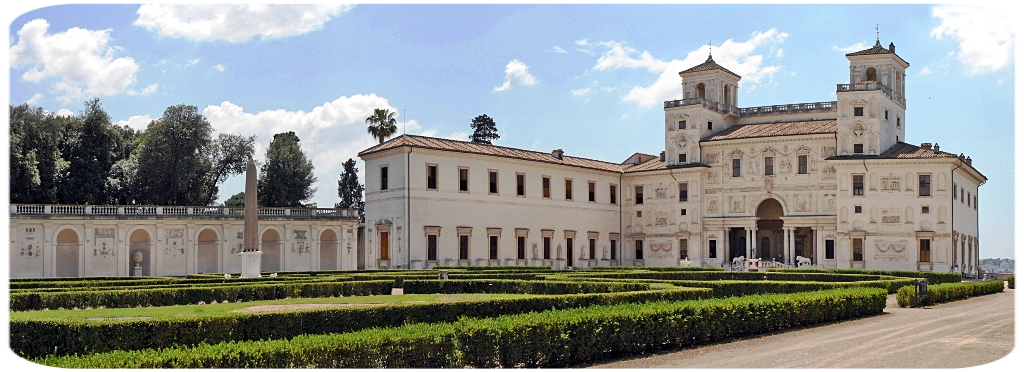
pixel 769 230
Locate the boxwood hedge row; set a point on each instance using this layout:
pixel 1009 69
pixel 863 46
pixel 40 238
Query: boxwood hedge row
pixel 519 286
pixel 37 338
pixel 658 268
pixel 933 277
pixel 718 275
pixel 549 339
pixel 1016 281
pixel 192 295
pixel 186 283
pixel 937 294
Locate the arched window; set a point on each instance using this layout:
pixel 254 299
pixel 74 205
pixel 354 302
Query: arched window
pixel 728 92
pixel 871 75
pixel 700 90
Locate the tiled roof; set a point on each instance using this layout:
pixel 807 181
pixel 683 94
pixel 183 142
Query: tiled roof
pixel 652 164
pixel 876 49
pixel 708 65
pixel 790 128
pixel 900 150
pixel 484 149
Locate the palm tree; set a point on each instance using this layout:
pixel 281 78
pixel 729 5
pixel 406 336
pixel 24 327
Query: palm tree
pixel 382 124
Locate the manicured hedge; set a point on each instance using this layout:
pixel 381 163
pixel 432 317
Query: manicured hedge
pixel 551 339
pixel 937 294
pixel 657 268
pixel 37 338
pixel 1016 281
pixel 729 288
pixel 720 275
pixel 933 277
pixel 518 286
pixel 197 283
pixel 192 295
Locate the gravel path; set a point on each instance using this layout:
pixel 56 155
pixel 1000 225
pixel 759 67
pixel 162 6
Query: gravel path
pixel 958 334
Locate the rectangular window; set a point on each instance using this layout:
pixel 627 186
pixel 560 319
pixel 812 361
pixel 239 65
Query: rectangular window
pixel 925 253
pixel 856 209
pixel 639 213
pixel 830 249
pixel 684 192
pixel 593 249
pixel 545 186
pixel 683 249
pixel 968 199
pixel 924 185
pixel 801 164
pixel 961 195
pixel 975 202
pixel 682 212
pixel 463 247
pixel 493 247
pixel 492 178
pixel 591 191
pixel 383 178
pixel 709 125
pixel 735 167
pixel 886 114
pixel 568 189
pixel 769 166
pixel 547 248
pixel 712 249
pixel 612 190
pixel 639 194
pixel 639 249
pixel 614 252
pixel 569 251
pixel 925 210
pixel 521 247
pixel 858 111
pixel 385 251
pixel 954 190
pixel 897 122
pixel 432 177
pixel 858 249
pixel 521 184
pixel 432 247
pixel 858 148
pixel 858 184
pixel 682 158
pixel 682 124
pixel 463 179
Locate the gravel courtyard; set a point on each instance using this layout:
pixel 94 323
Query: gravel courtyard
pixel 958 334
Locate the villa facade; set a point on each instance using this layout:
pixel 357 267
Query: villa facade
pixel 825 184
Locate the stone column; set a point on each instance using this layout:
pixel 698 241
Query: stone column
pixel 792 245
pixel 751 238
pixel 785 245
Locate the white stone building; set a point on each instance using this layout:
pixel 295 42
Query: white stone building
pixel 833 182
pixel 76 240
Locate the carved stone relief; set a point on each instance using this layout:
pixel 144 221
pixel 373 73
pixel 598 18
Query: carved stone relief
pixel 785 165
pixel 711 176
pixel 299 234
pixel 828 172
pixel 661 192
pixel 802 202
pixel 175 242
pixel 661 250
pixel 769 184
pixel 713 205
pixel 828 151
pixel 891 250
pixel 891 216
pixel 736 204
pixel 830 203
pixel 661 219
pixel 892 183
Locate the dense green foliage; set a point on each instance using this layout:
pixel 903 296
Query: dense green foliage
pixel 933 277
pixel 559 338
pixel 36 338
pixel 350 190
pixel 193 294
pixel 518 286
pixel 656 268
pixel 381 124
pixel 484 130
pixel 286 178
pixel 937 294
pixel 1016 281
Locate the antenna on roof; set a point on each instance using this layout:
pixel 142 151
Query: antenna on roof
pixel 709 48
pixel 876 34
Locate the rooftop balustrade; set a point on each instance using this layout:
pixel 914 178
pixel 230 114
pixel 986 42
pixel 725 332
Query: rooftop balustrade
pixel 751 111
pixel 873 85
pixel 176 211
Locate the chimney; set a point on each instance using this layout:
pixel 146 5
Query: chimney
pixel 926 145
pixel 892 48
pixel 662 156
pixel 936 148
pixel 557 154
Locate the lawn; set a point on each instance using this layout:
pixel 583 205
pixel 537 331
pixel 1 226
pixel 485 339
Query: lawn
pixel 167 312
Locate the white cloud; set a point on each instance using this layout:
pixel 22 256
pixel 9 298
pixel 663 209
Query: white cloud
pixel 624 117
pixel 859 46
pixel 779 53
pixel 79 58
pixel 35 99
pixel 738 57
pixel 516 74
pixel 137 122
pixel 924 71
pixel 608 89
pixel 581 92
pixel 149 89
pixel 65 112
pixel 459 136
pixel 792 74
pixel 986 36
pixel 235 23
pixel 582 42
pixel 559 49
pixel 219 67
pixel 581 50
pixel 193 62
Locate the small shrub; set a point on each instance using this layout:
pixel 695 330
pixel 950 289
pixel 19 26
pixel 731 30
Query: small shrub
pixel 940 293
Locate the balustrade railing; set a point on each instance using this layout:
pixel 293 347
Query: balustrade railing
pixel 748 111
pixel 873 85
pixel 114 210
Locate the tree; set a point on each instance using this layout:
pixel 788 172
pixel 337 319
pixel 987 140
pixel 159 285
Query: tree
pixel 484 129
pixel 90 150
pixel 349 189
pixel 382 124
pixel 286 178
pixel 180 164
pixel 237 200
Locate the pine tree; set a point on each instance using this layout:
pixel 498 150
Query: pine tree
pixel 484 129
pixel 349 189
pixel 286 178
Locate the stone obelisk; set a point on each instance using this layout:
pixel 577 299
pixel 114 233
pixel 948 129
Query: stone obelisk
pixel 250 245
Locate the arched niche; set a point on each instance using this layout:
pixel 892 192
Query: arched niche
pixel 270 244
pixel 207 251
pixel 700 90
pixel 68 252
pixel 770 209
pixel 843 212
pixel 142 242
pixel 328 250
pixel 871 74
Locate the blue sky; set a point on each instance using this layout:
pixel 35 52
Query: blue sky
pixel 588 79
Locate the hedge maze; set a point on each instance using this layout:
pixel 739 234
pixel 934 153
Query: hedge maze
pixel 478 317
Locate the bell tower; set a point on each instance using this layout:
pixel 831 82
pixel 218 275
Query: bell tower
pixel 872 106
pixel 709 101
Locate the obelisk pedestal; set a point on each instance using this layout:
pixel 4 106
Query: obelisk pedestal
pixel 250 245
